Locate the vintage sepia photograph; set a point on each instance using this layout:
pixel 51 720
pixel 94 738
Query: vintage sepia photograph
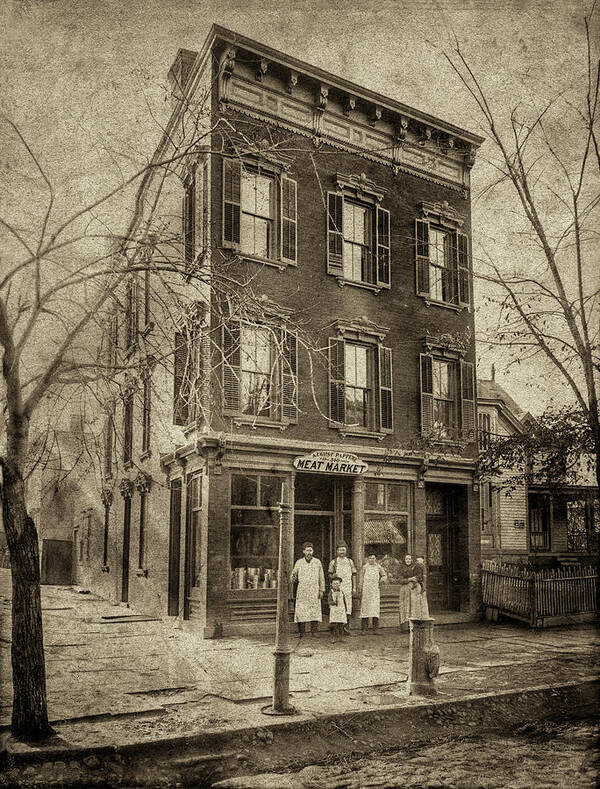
pixel 300 369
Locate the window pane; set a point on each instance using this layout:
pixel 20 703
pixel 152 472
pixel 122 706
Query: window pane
pixel 263 196
pixel 397 498
pixel 375 498
pixel 244 490
pixel 262 517
pixel 350 363
pixel 270 491
pixel 361 367
pixel 313 492
pixel 247 233
pixel 386 537
pixel 262 236
pixel 254 393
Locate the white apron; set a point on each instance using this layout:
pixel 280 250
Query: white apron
pixel 370 598
pixel 337 612
pixel 311 581
pixel 344 567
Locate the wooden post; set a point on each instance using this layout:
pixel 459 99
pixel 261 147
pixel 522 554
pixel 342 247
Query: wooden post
pixel 281 679
pixel 423 658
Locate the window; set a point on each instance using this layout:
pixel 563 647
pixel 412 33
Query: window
pixel 360 386
pixel 185 376
pixel 193 524
pixel 260 371
pixel 131 314
pixel 146 403
pixel 485 430
pixel 488 503
pixel 358 238
pixel 259 211
pixel 142 530
pixel 441 418
pixel 114 340
pixel 106 533
pixel 108 446
pixel 189 222
pixel 583 525
pixel 128 428
pixel 386 524
pixel 254 530
pixel 539 522
pixel 442 260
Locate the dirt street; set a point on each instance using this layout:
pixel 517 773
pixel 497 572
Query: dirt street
pixel 552 754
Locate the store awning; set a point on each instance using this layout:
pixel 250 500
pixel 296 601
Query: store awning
pixel 384 531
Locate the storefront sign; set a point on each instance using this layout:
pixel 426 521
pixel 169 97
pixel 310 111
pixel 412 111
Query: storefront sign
pixel 331 463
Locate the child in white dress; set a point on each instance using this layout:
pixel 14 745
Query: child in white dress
pixel 338 616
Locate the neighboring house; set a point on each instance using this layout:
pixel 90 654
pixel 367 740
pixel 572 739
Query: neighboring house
pixel 532 523
pixel 348 373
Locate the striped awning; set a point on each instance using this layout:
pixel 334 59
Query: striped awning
pixel 384 531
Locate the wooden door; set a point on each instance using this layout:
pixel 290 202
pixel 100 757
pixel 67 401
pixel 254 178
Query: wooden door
pixel 126 549
pixel 439 563
pixel 174 547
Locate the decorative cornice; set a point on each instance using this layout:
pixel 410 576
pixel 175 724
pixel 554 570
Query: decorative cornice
pixel 143 482
pixel 361 328
pixel 126 488
pixel 361 185
pixel 442 213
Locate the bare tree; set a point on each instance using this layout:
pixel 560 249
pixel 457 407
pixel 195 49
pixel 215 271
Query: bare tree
pixel 548 303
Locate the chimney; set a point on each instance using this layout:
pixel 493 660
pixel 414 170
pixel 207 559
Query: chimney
pixel 179 73
pixel 493 372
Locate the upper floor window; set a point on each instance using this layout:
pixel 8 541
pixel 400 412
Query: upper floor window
pixel 131 313
pixel 260 371
pixel 485 430
pixel 360 386
pixel 259 210
pixel 358 233
pixel 128 428
pixel 447 398
pixel 442 257
pixel 189 221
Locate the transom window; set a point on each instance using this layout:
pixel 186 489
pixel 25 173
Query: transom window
pixel 257 199
pixel 359 385
pixel 256 370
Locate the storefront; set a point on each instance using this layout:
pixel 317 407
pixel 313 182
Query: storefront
pixel 230 543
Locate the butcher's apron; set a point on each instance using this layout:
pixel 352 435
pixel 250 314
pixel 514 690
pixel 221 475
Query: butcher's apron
pixel 343 568
pixel 310 583
pixel 337 612
pixel 370 599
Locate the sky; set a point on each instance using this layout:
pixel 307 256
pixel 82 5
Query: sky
pixel 86 83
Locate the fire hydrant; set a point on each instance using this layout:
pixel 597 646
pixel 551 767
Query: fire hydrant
pixel 423 658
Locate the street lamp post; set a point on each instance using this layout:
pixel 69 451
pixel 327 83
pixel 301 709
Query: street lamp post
pixel 281 681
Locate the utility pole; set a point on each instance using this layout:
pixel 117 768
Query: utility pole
pixel 281 682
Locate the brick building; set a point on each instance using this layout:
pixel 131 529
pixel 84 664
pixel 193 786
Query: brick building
pixel 340 360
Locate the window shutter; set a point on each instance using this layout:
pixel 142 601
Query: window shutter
pixel 189 223
pixel 422 256
pixel 335 235
pixel 467 400
pixel 232 179
pixel 464 279
pixel 289 376
pixel 289 211
pixel 382 229
pixel 231 365
pixel 337 382
pixel 180 404
pixel 386 400
pixel 426 394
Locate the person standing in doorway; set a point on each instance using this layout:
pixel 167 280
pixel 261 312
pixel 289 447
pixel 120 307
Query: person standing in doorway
pixel 308 574
pixel 344 568
pixel 371 576
pixel 411 580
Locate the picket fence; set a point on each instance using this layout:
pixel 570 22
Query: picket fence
pixel 535 595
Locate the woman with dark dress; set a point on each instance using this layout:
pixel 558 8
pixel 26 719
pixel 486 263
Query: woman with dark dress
pixel 411 586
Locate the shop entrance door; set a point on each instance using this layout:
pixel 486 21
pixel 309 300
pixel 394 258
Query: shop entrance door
pixel 439 563
pixel 318 529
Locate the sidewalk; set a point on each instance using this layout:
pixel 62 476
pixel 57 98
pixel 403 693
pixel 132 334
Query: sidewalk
pixel 115 677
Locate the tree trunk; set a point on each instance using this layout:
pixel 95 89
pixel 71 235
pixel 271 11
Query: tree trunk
pixel 30 713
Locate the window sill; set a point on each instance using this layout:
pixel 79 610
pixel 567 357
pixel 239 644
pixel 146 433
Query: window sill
pixel 278 264
pixel 146 455
pixel 355 432
pixel 141 572
pixel 127 465
pixel 375 289
pixel 446 304
pixel 240 421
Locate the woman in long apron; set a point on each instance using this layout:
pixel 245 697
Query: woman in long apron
pixel 371 577
pixel 411 576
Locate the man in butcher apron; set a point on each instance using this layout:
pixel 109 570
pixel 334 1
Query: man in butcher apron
pixel 344 568
pixel 308 574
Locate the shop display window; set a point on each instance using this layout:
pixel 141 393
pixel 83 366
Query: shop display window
pixel 386 525
pixel 254 530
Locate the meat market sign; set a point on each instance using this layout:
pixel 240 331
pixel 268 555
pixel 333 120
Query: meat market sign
pixel 331 463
